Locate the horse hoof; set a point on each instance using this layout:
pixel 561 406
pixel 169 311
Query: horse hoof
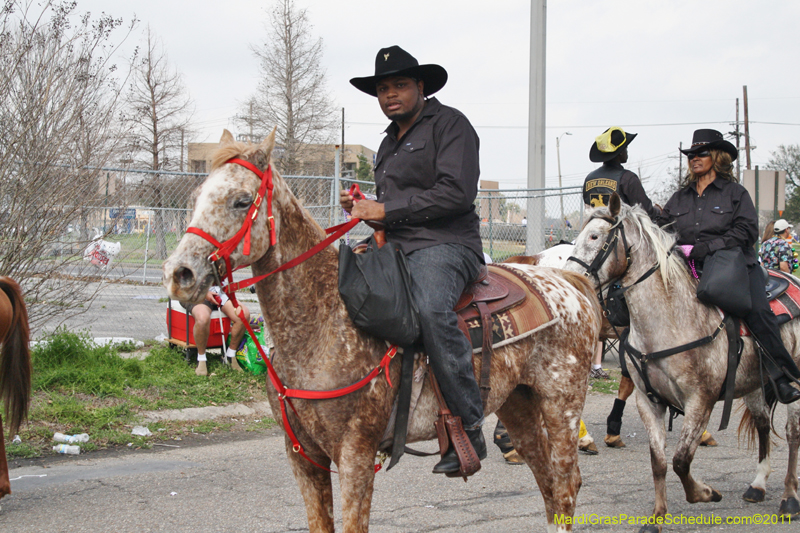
pixel 589 449
pixel 513 458
pixel 754 495
pixel 707 440
pixel 716 496
pixel 790 507
pixel 651 528
pixel 613 441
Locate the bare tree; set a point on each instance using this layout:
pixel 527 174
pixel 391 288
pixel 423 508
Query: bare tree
pixel 58 99
pixel 292 93
pixel 787 158
pixel 159 112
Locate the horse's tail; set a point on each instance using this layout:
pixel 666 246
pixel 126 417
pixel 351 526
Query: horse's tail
pixel 15 358
pixel 748 430
pixel 587 289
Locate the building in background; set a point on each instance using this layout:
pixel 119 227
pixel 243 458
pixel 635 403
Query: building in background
pixel 316 159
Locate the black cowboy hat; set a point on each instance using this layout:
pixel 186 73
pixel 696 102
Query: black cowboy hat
pixel 394 61
pixel 710 140
pixel 606 146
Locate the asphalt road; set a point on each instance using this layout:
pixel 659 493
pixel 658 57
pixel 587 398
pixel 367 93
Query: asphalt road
pixel 124 310
pixel 241 482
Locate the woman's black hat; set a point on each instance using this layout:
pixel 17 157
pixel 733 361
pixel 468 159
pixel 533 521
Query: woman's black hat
pixel 609 144
pixel 394 61
pixel 710 140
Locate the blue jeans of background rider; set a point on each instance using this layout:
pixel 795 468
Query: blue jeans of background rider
pixel 764 326
pixel 439 275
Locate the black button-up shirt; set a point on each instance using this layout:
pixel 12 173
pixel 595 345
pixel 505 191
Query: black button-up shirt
pixel 428 181
pixel 724 217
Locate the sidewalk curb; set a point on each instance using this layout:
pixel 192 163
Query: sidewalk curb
pixel 208 413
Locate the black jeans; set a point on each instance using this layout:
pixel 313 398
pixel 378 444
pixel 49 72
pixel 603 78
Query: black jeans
pixel 439 275
pixel 764 326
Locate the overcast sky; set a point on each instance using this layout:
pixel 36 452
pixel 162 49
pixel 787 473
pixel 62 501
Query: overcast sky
pixel 659 69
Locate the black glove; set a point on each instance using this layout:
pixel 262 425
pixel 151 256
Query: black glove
pixel 699 251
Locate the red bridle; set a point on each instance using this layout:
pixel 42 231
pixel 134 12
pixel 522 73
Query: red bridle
pixel 224 251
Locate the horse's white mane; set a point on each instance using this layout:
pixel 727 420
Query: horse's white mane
pixel 654 241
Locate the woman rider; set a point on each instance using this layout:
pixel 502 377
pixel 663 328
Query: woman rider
pixel 712 211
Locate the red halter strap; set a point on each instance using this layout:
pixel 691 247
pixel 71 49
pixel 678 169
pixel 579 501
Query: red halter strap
pixel 224 250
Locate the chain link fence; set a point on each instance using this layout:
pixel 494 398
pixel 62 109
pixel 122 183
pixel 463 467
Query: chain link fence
pixel 119 243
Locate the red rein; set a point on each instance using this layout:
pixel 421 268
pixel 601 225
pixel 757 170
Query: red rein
pixel 224 251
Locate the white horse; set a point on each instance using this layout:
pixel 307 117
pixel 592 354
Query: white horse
pixel 665 314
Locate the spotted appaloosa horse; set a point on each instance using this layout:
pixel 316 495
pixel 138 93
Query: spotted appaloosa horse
pixel 665 313
pixel 15 367
pixel 318 348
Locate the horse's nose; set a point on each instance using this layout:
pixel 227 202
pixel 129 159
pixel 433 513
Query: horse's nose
pixel 184 277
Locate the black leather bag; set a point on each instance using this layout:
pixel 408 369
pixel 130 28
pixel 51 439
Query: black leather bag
pixel 376 289
pixel 725 282
pixel 616 308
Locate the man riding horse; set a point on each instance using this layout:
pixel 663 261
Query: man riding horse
pixel 426 176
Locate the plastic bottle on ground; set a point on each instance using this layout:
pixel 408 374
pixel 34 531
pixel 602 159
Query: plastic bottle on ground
pixel 71 439
pixel 65 448
pixel 82 437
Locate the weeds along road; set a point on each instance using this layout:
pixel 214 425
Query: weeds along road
pixel 238 482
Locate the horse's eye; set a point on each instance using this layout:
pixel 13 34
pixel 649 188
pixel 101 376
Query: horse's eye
pixel 242 203
pixel 594 237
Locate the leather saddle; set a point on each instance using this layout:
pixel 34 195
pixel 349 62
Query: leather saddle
pixel 489 294
pixel 776 284
pixel 489 288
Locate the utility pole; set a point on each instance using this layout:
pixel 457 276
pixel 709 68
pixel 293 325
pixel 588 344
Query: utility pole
pixel 341 163
pixel 534 238
pixel 181 149
pixel 738 159
pixel 560 189
pixel 746 128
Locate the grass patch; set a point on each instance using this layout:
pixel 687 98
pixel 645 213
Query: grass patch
pixel 260 425
pixel 209 426
pixel 79 387
pixel 607 386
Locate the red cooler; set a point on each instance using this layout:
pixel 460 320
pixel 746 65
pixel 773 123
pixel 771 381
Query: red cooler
pixel 180 327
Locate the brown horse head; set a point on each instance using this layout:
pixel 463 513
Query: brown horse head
pixel 221 206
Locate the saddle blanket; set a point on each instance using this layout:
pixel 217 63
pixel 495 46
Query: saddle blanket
pixel 785 307
pixel 531 315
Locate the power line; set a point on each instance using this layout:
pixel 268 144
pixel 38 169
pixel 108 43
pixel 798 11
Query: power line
pixel 774 123
pixel 571 126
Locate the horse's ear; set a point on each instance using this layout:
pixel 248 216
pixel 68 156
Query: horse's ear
pixel 264 152
pixel 227 138
pixel 614 205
